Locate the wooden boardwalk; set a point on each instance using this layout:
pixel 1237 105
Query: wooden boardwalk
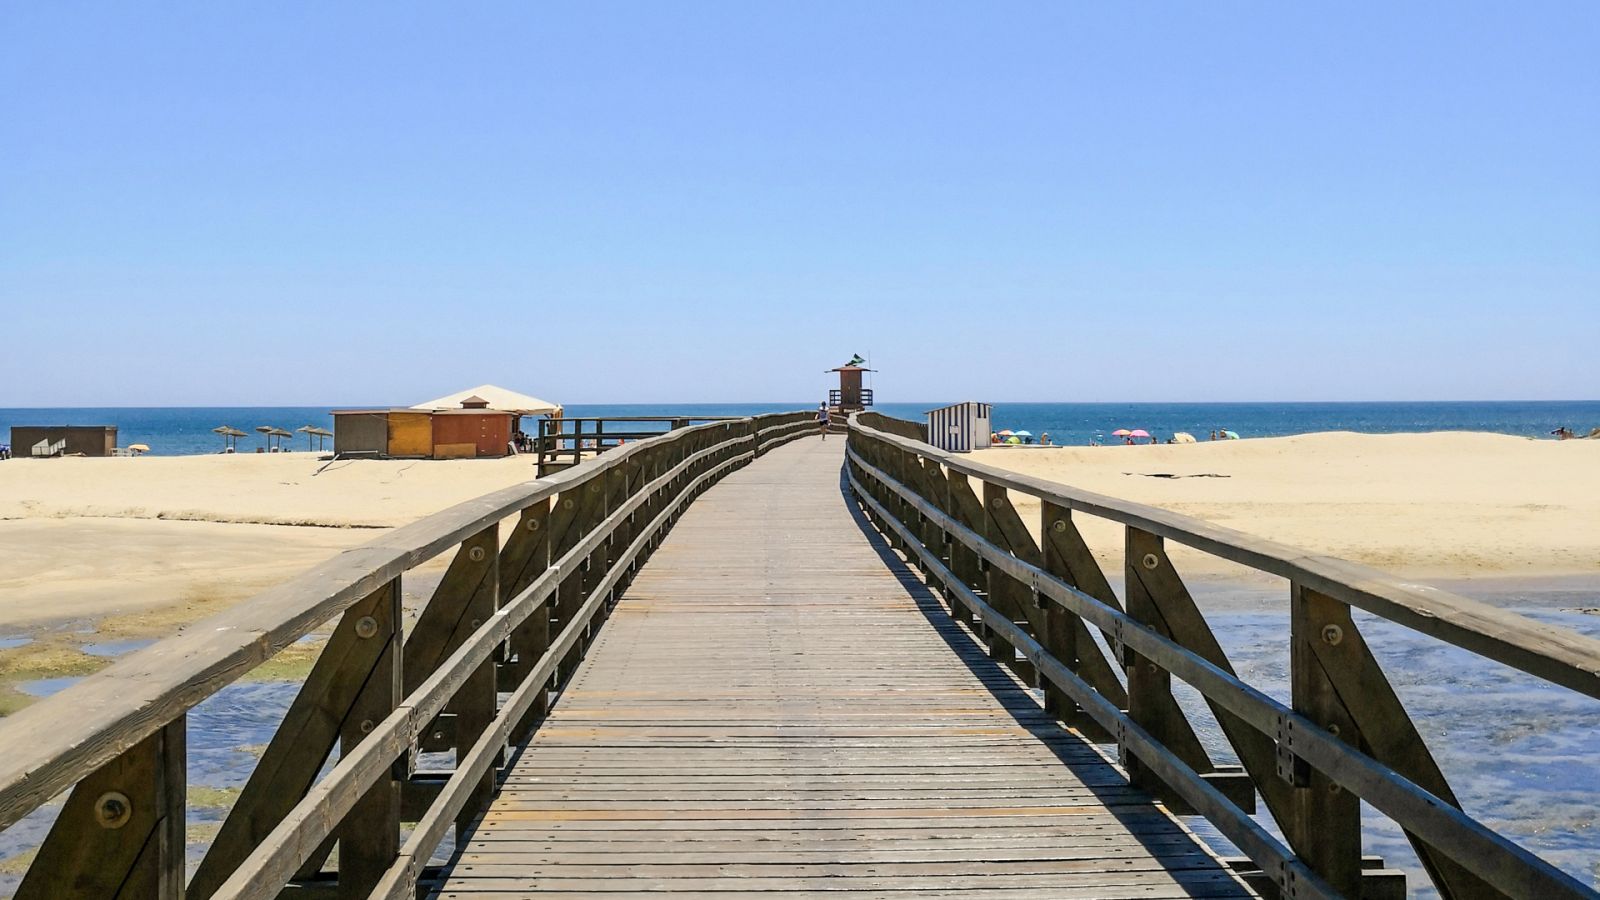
pixel 778 706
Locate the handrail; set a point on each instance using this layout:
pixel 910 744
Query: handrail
pixel 102 730
pixel 1480 849
pixel 290 844
pixel 1556 655
pixel 924 520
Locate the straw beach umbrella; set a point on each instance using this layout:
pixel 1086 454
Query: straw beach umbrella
pixel 272 431
pixel 313 431
pixel 230 436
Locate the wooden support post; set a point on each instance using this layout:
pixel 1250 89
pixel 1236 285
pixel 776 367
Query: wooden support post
pixel 1067 557
pixel 936 490
pixel 526 556
pixel 591 512
pixel 1385 730
pixel 1012 598
pixel 1325 827
pixel 968 510
pixel 476 702
pixel 369 837
pixel 300 746
pixel 565 533
pixel 1150 700
pixel 120 835
pixel 1171 605
pixel 614 493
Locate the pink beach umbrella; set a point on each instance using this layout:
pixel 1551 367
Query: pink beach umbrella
pixel 1121 432
pixel 1138 432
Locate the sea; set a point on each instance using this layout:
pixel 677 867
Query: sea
pixel 187 431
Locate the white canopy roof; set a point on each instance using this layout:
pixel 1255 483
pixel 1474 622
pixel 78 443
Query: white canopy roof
pixel 499 398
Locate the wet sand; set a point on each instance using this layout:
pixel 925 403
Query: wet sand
pixel 101 551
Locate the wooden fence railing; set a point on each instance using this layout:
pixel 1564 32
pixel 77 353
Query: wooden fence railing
pixel 568 441
pixel 1345 737
pixel 512 616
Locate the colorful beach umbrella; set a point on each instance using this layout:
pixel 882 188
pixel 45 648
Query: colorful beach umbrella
pixel 1121 432
pixel 1004 432
pixel 1138 432
pixel 1231 435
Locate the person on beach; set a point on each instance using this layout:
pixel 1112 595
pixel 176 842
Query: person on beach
pixel 822 420
pixel 1044 439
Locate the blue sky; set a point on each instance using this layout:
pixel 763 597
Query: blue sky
pixel 323 203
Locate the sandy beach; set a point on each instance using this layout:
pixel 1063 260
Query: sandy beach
pixel 113 551
pixel 1446 505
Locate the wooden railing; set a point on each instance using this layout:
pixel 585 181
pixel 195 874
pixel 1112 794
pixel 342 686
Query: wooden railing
pixel 512 616
pixel 836 397
pixel 1345 737
pixel 568 441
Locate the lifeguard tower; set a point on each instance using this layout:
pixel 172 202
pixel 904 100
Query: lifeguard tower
pixel 850 396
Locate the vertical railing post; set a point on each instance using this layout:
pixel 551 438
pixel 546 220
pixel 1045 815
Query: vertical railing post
pixel 591 510
pixel 1006 594
pixel 369 837
pixel 322 712
pixel 1066 556
pixel 120 835
pixel 1150 700
pixel 476 702
pixel 525 557
pixel 1325 825
pixel 966 509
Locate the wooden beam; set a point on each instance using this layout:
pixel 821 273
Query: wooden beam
pixel 1067 638
pixel 120 835
pixel 1325 827
pixel 1150 700
pixel 1004 529
pixel 526 556
pixel 302 742
pixel 1385 731
pixel 369 837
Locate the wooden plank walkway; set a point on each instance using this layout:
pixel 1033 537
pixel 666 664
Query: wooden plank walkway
pixel 778 706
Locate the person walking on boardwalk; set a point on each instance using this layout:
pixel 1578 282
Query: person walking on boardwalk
pixel 822 419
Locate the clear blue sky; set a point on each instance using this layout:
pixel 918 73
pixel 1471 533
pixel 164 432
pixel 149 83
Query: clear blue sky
pixel 332 202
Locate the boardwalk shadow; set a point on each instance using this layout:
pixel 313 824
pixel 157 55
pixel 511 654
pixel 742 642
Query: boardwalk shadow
pixel 1134 809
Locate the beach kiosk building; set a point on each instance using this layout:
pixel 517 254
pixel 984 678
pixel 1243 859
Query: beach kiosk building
pixel 63 440
pixel 470 424
pixel 959 427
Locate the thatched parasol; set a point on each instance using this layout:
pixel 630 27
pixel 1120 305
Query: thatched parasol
pixel 273 431
pixel 230 436
pixel 313 431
